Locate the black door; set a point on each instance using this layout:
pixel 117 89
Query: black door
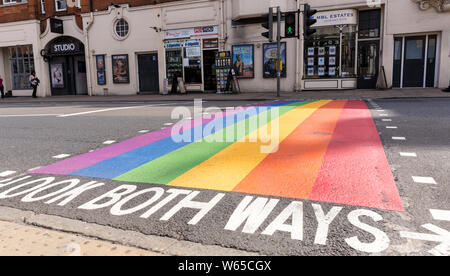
pixel 209 70
pixel 414 61
pixel 148 73
pixel 368 61
pixel 62 76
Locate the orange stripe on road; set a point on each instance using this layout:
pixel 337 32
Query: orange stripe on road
pixel 292 171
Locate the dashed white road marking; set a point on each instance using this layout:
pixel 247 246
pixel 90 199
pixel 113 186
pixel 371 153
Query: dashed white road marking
pixel 144 131
pixel 168 124
pixel 61 156
pixel 424 180
pixel 440 214
pixel 384 115
pixel 399 138
pixel 391 127
pixel 33 169
pixel 387 120
pixel 408 154
pixel 7 173
pixel 109 142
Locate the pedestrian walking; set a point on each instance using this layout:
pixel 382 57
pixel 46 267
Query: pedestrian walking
pixel 34 81
pixel 2 88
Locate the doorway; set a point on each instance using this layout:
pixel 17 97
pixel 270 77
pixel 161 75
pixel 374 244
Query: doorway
pixel 368 64
pixel 415 61
pixel 209 70
pixel 148 73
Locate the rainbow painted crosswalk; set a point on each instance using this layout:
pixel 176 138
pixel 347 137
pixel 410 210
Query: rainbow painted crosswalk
pixel 327 151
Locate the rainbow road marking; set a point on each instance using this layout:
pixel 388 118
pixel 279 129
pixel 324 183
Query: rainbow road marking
pixel 328 151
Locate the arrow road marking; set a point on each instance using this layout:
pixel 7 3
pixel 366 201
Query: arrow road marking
pixel 440 235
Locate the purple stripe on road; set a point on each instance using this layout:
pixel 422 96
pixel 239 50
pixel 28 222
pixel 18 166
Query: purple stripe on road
pixel 85 160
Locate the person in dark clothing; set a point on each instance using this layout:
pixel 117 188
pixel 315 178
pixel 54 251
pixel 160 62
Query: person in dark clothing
pixel 2 88
pixel 34 81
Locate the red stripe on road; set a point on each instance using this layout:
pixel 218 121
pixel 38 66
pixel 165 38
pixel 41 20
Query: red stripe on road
pixel 355 170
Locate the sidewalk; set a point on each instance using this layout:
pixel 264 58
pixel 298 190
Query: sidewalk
pixel 25 233
pixel 24 240
pixel 248 96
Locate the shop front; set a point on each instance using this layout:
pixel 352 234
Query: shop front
pixel 330 54
pixel 67 66
pixel 190 55
pixel 344 53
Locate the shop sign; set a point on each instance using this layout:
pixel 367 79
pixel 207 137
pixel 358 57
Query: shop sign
pixel 173 45
pixel 331 18
pixel 64 45
pixel 201 32
pixel 191 43
pixel 193 52
pixel 56 26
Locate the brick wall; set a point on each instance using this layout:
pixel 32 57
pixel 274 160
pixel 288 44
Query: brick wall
pixel 31 9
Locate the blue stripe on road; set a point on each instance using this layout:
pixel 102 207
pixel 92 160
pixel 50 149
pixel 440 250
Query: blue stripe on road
pixel 118 165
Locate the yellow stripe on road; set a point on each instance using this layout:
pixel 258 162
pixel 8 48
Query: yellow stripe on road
pixel 226 169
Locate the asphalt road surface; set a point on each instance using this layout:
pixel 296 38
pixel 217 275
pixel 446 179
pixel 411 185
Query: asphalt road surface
pixel 317 177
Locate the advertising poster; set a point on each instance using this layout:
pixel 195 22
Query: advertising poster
pixel 101 78
pixel 321 71
pixel 310 61
pixel 100 63
pixel 243 61
pixel 332 61
pixel 321 61
pixel 120 69
pixel 270 60
pixel 57 75
pixel 310 71
pixel 311 51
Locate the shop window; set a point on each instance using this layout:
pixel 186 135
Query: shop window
pixel 369 24
pixel 324 49
pixel 192 64
pixel 22 64
pixel 121 28
pixel 174 62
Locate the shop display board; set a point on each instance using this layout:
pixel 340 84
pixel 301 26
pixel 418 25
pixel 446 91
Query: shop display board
pixel 243 61
pixel 223 67
pixel 270 60
pixel 322 58
pixel 121 73
pixel 100 64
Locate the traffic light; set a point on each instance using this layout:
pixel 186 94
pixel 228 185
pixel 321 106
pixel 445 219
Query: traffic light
pixel 290 29
pixel 308 21
pixel 268 24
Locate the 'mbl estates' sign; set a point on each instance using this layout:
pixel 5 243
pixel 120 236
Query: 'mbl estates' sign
pixel 340 17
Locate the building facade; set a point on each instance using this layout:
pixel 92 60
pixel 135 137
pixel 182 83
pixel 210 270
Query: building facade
pixel 85 47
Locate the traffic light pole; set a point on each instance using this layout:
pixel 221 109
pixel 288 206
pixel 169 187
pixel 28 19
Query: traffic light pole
pixel 278 51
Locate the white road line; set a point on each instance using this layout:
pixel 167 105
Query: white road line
pixel 109 142
pixel 61 156
pixel 424 180
pixel 29 115
pixel 168 124
pixel 381 110
pixel 440 214
pixel 399 138
pixel 110 109
pixel 391 127
pixel 33 169
pixel 384 115
pixel 408 154
pixel 144 131
pixel 387 120
pixel 7 173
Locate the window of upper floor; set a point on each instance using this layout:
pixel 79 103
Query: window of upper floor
pixel 7 2
pixel 60 5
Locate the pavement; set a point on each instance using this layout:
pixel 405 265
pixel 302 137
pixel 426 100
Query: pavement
pixel 360 94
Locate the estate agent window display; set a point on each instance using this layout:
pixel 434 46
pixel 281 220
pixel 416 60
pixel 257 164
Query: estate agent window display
pixel 331 53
